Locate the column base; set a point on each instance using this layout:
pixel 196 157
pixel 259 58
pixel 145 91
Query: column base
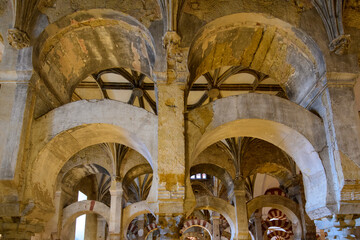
pixel 115 236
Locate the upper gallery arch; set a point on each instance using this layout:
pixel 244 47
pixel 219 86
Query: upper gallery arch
pixel 145 12
pixel 85 43
pixel 261 43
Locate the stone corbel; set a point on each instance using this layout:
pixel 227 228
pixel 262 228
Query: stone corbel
pixel 18 36
pixel 330 12
pixel 18 39
pixel 176 63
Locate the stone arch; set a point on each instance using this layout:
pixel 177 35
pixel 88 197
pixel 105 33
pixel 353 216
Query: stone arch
pixel 78 131
pixel 132 211
pixel 150 228
pixel 215 155
pixel 276 170
pixel 84 43
pixel 219 205
pixel 216 171
pixel 262 43
pixel 90 157
pixel 286 125
pixel 197 223
pixel 136 172
pixel 71 212
pixel 287 206
pixel 79 172
pixel 60 149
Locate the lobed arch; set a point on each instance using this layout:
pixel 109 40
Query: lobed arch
pixel 286 125
pixel 84 43
pixel 71 212
pixel 262 43
pixel 219 205
pixel 287 206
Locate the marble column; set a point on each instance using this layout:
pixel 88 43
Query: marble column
pixel 258 227
pixel 116 192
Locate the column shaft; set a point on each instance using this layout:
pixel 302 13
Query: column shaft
pixel 116 192
pixel 241 211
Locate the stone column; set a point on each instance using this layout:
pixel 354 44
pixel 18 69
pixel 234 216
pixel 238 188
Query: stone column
pixel 15 122
pixel 101 228
pixel 339 227
pixel 241 210
pixel 215 226
pixel 116 192
pixel 141 227
pixel 258 226
pixel 295 192
pixel 171 139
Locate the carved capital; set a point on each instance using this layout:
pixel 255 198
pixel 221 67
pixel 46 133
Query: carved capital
pixel 18 39
pixel 339 226
pixel 340 44
pixel 169 225
pixel 176 63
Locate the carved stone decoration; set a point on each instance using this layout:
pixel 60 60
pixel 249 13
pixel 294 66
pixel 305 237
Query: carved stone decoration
pixel 330 12
pixel 339 226
pixel 175 57
pixel 340 44
pixel 3 5
pixel 26 13
pixel 18 39
pixel 169 226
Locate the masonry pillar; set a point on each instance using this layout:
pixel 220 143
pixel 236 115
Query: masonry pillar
pixel 339 227
pixel 295 192
pixel 215 216
pixel 15 125
pixel 171 140
pixel 241 210
pixel 18 230
pixel 54 225
pixel 116 192
pixel 258 227
pixel 101 228
pixel 336 105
